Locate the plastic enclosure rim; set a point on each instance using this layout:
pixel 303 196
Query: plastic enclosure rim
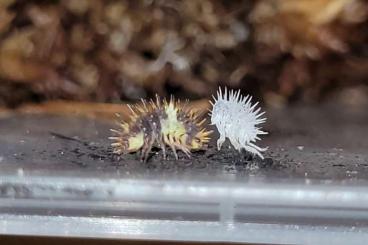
pixel 230 211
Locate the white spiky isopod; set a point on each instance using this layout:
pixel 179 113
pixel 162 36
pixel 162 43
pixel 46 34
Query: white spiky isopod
pixel 238 120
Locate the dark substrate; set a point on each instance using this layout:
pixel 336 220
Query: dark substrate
pixel 304 142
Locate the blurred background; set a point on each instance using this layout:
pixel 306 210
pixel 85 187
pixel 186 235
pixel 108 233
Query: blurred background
pixel 86 57
pixel 281 51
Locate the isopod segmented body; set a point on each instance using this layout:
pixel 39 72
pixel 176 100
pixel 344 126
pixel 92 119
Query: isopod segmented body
pixel 160 123
pixel 237 119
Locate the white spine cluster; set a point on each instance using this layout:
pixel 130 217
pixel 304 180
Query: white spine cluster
pixel 237 119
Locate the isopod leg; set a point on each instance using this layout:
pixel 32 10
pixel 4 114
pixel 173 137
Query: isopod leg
pixel 220 141
pixel 187 153
pixel 257 147
pixel 163 151
pixel 147 148
pixel 163 147
pixel 185 150
pixel 253 151
pixel 174 150
pixel 144 153
pixel 236 144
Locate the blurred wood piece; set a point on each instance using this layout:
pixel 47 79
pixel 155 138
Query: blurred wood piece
pixel 99 111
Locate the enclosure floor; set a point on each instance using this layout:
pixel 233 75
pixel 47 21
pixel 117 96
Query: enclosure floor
pixel 325 142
